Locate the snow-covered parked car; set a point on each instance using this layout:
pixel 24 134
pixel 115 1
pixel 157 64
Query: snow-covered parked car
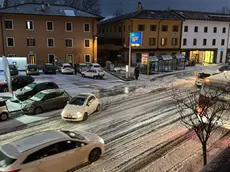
pixel 93 73
pixel 52 150
pixel 66 68
pixel 80 107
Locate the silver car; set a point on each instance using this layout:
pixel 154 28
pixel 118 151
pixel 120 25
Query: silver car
pixel 32 69
pixel 45 100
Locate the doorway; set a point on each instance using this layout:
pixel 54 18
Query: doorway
pixel 221 56
pixel 69 59
pixel 51 58
pixel 32 59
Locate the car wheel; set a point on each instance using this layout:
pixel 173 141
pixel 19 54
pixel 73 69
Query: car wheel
pixel 94 77
pixel 101 77
pixel 94 155
pixel 83 75
pixel 85 116
pixel 5 89
pixel 98 108
pixel 38 110
pixel 4 116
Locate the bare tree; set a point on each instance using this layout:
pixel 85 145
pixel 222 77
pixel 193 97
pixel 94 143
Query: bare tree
pixel 202 111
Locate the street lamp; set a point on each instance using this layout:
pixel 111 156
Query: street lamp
pixel 94 47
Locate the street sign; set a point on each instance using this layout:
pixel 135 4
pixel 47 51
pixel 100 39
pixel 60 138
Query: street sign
pixel 144 59
pixel 135 39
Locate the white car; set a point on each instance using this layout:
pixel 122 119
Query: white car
pixel 80 107
pixel 66 68
pixel 93 73
pixel 95 66
pixel 53 150
pixel 202 75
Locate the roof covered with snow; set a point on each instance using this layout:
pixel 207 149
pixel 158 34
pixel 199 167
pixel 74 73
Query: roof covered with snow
pixel 47 9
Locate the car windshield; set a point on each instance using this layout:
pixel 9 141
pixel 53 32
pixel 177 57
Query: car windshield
pixel 5 161
pixel 37 97
pixel 79 100
pixel 203 75
pixel 30 86
pixel 83 66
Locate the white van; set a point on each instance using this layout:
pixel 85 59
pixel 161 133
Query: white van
pixel 204 74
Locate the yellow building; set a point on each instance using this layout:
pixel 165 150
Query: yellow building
pixel 161 35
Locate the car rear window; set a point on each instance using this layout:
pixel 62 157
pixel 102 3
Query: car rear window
pixel 67 66
pixel 5 160
pixel 96 66
pixel 32 67
pixel 203 75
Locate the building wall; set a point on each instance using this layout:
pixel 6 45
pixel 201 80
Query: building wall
pixel 210 35
pixel 59 34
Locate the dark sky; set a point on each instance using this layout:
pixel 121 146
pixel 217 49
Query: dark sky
pixel 109 6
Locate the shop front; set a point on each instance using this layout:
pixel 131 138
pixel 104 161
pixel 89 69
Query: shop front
pixel 201 56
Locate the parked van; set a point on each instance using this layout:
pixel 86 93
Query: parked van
pixel 204 74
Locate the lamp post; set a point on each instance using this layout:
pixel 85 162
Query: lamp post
pixel 94 47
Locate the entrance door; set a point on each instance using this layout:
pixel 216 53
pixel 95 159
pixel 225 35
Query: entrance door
pixel 221 57
pixel 31 59
pixel 69 59
pixel 51 58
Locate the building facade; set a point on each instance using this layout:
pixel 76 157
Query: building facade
pixel 48 34
pixel 205 36
pixel 161 35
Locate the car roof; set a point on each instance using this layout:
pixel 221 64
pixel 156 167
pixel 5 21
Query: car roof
pixel 49 64
pixel 95 64
pixel 209 72
pixel 66 64
pixel 52 91
pixel 14 149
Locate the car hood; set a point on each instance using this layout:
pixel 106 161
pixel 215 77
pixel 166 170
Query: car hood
pixel 21 91
pixel 73 109
pixel 90 136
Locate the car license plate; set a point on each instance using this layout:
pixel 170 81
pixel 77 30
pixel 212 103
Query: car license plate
pixel 69 116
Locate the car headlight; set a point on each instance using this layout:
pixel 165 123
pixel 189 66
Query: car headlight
pixel 79 114
pixel 101 141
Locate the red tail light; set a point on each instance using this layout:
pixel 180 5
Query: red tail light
pixel 199 109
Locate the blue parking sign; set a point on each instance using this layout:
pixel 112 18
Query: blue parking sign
pixel 135 39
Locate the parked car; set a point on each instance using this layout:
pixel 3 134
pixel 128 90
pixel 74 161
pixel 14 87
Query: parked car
pixel 49 68
pixel 58 150
pixel 202 75
pixel 32 69
pixel 80 107
pixel 94 66
pixel 224 68
pixel 4 113
pixel 45 100
pixel 66 68
pixel 17 82
pixel 93 73
pixel 13 70
pixel 81 67
pixel 32 89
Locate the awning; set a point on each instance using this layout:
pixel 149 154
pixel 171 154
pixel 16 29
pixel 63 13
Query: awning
pixel 153 59
pixel 166 57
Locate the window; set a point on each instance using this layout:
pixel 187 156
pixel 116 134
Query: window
pixel 10 42
pixel 224 30
pixel 29 25
pixel 115 28
pixel 163 41
pixel 153 27
pixel 50 42
pixel 194 41
pixel 119 28
pixel 129 28
pixel 12 55
pixel 196 29
pixel 205 29
pixel 214 42
pixel 175 28
pixel 124 28
pixel 174 41
pixel 49 26
pixel 9 25
pixel 69 42
pixel 222 41
pixel 184 41
pixel 87 58
pixel 204 41
pixel 30 42
pixel 152 41
pixel 86 27
pixel 141 27
pixel 214 29
pixel 99 30
pixel 107 30
pixel 68 26
pixel 87 43
pixel 164 28
pixel 185 28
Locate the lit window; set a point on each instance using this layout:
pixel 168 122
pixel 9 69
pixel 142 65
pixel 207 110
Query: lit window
pixel 163 41
pixel 29 25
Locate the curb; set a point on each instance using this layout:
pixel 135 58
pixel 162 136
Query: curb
pixel 119 77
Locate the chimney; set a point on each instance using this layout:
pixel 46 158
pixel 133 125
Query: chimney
pixel 140 8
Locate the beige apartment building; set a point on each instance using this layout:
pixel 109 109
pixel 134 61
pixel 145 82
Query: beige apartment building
pixel 161 35
pixel 48 33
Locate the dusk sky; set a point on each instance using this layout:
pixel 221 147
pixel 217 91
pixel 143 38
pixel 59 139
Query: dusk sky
pixel 109 6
